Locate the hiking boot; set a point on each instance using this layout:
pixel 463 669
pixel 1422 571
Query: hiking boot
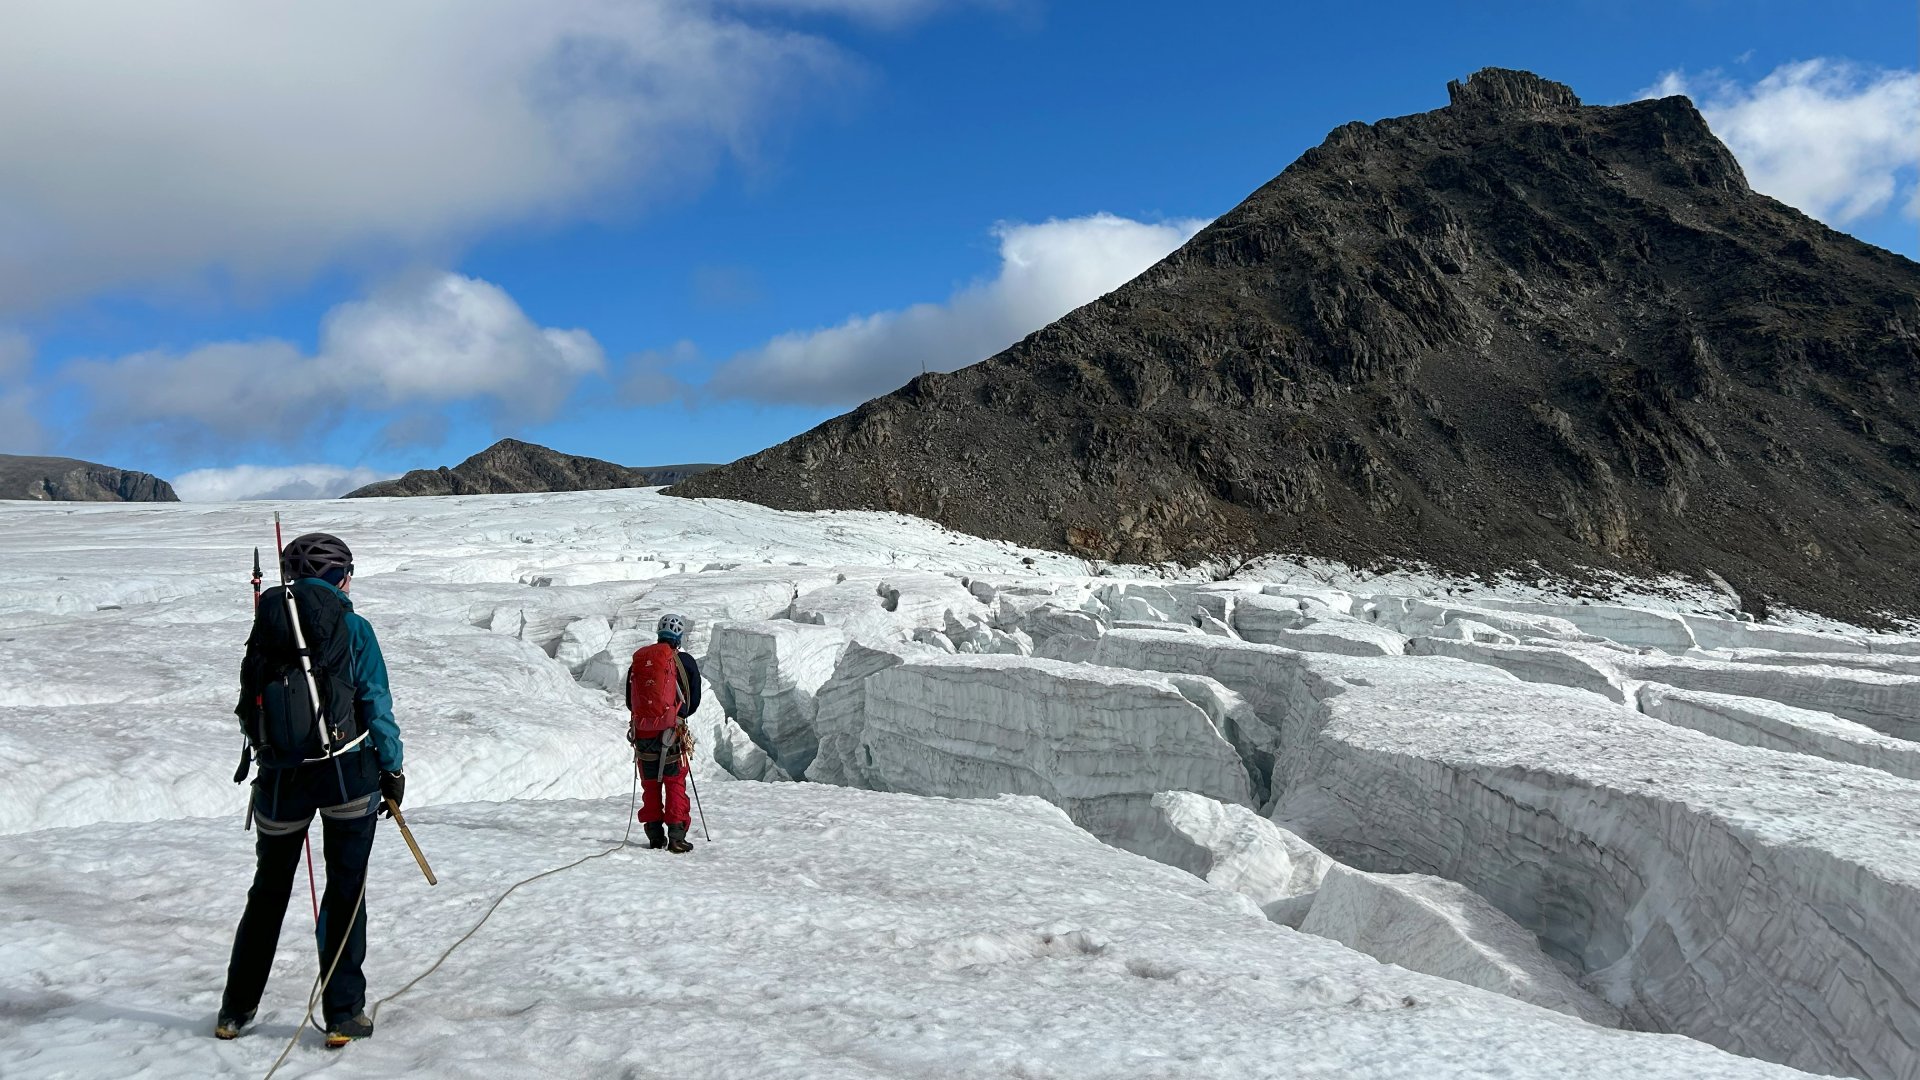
pixel 677 840
pixel 343 1032
pixel 656 834
pixel 229 1026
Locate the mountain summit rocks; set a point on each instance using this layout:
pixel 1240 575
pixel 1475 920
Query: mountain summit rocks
pixel 1515 334
pixel 513 467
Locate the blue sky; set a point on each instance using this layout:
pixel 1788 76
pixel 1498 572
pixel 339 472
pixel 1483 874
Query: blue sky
pixel 283 250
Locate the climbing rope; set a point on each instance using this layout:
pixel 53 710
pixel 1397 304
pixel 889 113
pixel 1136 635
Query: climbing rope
pixel 325 978
pixel 374 1016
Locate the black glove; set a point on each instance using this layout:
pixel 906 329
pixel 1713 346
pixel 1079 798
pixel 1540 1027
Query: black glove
pixel 393 788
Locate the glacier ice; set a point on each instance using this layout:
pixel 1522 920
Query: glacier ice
pixel 1631 626
pixel 1238 850
pixel 1533 663
pixel 1433 925
pixel 1098 743
pixel 1758 722
pixel 1756 896
pixel 1421 923
pixel 764 676
pixel 1697 882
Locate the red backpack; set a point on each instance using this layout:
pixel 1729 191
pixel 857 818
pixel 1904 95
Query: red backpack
pixel 656 686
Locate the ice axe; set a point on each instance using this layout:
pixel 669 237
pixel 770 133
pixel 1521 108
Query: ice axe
pixel 406 834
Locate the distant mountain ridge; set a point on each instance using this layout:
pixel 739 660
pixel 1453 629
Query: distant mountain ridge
pixel 56 479
pixel 512 467
pixel 1516 334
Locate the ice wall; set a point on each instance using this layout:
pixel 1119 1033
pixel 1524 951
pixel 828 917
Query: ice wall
pixel 1098 743
pixel 1433 925
pixel 1702 885
pixel 764 676
pixel 1756 722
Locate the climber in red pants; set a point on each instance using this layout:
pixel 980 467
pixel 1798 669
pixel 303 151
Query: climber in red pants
pixel 663 689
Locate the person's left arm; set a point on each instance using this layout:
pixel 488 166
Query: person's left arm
pixel 373 700
pixel 692 667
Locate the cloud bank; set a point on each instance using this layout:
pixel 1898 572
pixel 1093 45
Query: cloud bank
pixel 429 339
pixel 242 483
pixel 1046 270
pixel 230 140
pixel 1836 140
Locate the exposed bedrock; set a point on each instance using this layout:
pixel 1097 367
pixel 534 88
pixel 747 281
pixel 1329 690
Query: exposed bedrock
pixel 764 676
pixel 1754 900
pixel 1097 743
pixel 1769 724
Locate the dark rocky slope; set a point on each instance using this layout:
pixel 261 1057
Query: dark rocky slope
pixel 68 480
pixel 1515 331
pixel 511 466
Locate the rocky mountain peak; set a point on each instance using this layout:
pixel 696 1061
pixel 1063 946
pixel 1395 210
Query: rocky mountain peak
pixel 1505 90
pixel 1512 335
pixel 511 466
pixel 51 479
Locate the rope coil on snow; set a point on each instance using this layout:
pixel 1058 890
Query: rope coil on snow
pixel 632 800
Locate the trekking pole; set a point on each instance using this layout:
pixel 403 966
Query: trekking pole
pixel 686 765
pixel 246 746
pixel 407 835
pixel 695 785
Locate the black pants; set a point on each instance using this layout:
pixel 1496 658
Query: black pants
pixel 284 802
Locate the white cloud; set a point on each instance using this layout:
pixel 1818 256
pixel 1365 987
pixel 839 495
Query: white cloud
pixel 241 483
pixel 1836 140
pixel 429 338
pixel 231 140
pixel 1046 270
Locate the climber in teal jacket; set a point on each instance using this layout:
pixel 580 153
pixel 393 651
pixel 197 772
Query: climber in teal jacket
pixel 341 760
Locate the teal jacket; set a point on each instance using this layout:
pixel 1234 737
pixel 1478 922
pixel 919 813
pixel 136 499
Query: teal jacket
pixel 373 700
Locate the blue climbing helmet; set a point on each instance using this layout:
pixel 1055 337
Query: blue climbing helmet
pixel 673 627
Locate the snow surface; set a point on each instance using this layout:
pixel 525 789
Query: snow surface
pixel 824 933
pixel 1760 899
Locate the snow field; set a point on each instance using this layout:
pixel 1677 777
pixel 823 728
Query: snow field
pixel 825 933
pixel 1746 896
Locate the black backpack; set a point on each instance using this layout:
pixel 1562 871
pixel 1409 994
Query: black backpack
pixel 276 709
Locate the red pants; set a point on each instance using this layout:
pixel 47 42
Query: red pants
pixel 678 810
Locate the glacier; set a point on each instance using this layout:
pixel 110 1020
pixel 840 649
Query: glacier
pixel 1366 824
